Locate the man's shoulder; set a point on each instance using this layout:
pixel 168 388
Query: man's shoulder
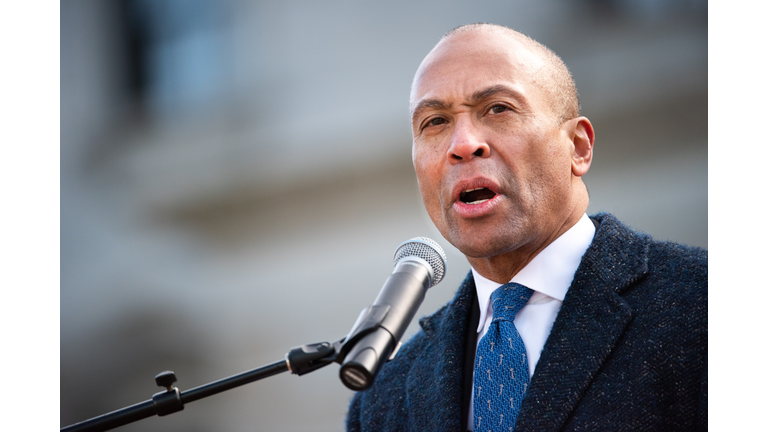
pixel 678 257
pixel 640 267
pixel 612 231
pixel 661 273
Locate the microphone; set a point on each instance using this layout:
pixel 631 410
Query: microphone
pixel 375 337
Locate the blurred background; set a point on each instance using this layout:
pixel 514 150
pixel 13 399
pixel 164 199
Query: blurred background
pixel 235 176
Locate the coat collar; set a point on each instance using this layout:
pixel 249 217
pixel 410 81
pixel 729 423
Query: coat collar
pixel 591 321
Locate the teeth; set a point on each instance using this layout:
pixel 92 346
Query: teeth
pixel 478 201
pixel 470 190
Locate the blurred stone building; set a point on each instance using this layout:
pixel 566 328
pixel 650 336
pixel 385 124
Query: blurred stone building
pixel 235 177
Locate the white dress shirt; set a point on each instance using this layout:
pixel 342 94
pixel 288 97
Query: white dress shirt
pixel 549 275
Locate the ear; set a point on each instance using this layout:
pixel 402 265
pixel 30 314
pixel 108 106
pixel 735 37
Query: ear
pixel 582 136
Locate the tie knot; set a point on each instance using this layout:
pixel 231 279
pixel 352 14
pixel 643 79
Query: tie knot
pixel 508 299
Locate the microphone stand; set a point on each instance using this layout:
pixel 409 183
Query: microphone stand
pixel 299 361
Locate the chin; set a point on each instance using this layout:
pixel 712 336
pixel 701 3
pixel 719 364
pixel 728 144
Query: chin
pixel 488 241
pixel 479 246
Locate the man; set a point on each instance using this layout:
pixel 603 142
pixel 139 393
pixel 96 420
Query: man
pixel 610 329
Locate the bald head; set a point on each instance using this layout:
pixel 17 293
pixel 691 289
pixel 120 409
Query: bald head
pixel 547 71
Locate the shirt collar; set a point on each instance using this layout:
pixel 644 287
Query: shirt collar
pixel 550 272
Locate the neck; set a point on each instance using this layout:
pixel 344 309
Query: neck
pixel 503 267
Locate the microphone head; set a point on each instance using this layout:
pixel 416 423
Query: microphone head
pixel 426 249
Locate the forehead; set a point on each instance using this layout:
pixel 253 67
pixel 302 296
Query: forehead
pixel 463 64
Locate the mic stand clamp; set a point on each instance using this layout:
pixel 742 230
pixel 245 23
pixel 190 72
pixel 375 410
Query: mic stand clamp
pixel 307 358
pixel 368 321
pixel 169 401
pixel 369 345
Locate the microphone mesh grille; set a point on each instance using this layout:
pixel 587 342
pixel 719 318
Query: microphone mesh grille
pixel 426 249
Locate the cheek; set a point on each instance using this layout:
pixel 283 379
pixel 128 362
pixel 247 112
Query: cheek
pixel 430 197
pixel 426 165
pixel 560 165
pixel 428 186
pixel 428 176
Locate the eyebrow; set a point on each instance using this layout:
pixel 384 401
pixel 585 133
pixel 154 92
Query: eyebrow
pixel 494 90
pixel 474 99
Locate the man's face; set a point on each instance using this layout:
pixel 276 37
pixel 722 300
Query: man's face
pixel 493 165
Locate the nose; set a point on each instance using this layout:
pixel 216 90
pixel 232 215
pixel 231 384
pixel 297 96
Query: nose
pixel 467 142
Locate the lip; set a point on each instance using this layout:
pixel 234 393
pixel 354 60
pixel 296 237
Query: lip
pixel 465 210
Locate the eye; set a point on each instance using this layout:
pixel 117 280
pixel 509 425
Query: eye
pixel 437 121
pixel 498 109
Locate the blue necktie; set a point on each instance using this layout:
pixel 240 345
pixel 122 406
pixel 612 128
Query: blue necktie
pixel 501 364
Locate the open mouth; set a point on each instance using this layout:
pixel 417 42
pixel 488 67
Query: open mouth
pixel 476 196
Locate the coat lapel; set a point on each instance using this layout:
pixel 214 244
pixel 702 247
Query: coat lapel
pixel 591 321
pixel 434 383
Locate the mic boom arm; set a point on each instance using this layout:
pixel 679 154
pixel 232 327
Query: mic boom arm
pixel 373 340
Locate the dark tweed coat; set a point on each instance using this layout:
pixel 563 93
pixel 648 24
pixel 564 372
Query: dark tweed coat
pixel 627 352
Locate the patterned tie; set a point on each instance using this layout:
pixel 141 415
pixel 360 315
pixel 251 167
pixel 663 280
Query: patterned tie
pixel 501 365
